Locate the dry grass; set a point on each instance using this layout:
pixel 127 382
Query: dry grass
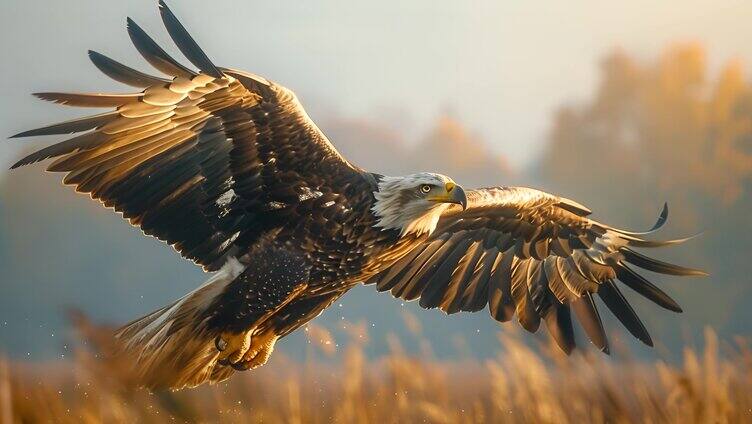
pixel 520 385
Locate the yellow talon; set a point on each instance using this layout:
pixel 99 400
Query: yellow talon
pixel 233 346
pixel 245 350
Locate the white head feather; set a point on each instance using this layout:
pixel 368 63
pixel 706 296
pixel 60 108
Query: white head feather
pixel 400 205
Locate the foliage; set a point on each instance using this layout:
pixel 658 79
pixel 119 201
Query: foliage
pixel 668 130
pixel 520 385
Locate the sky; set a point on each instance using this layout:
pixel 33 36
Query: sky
pixel 502 68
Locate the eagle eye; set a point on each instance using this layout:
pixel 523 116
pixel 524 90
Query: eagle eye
pixel 425 188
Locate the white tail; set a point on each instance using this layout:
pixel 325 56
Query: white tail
pixel 173 347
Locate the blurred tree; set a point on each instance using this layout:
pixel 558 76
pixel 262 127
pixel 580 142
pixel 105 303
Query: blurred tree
pixel 449 148
pixel 667 131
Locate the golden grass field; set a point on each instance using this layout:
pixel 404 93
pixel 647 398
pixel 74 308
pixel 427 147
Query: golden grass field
pixel 522 384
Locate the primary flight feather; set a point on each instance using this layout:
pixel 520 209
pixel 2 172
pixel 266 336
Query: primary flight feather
pixel 227 167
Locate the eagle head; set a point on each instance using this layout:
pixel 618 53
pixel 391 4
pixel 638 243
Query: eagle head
pixel 413 203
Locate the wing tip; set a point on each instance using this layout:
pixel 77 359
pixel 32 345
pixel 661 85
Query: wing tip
pixel 694 272
pixel 96 57
pixel 48 96
pixel 134 29
pixel 672 305
pixel 186 44
pixel 661 267
pixel 641 285
pixel 30 133
pixel 27 160
pixel 662 218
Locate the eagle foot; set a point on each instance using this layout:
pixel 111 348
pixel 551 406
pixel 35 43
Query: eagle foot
pixel 232 346
pixel 246 350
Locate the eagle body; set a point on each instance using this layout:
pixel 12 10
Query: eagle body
pixel 331 247
pixel 228 169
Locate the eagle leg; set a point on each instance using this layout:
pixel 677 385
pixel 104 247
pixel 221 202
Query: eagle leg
pixel 290 317
pixel 259 351
pixel 252 347
pixel 232 346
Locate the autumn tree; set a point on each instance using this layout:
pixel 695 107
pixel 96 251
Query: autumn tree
pixel 667 130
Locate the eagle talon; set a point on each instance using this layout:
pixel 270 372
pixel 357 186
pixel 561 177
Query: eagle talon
pixel 262 346
pixel 232 346
pixel 245 351
pixel 220 343
pixel 241 366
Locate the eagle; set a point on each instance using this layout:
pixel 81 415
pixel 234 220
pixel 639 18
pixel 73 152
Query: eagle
pixel 227 168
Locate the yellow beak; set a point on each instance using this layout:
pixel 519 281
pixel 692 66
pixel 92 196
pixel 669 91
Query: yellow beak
pixel 453 194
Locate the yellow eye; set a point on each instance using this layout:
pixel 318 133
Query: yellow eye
pixel 425 188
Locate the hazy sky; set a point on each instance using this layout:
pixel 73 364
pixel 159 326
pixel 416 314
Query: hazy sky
pixel 501 67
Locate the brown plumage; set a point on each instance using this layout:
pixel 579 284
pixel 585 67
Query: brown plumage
pixel 533 255
pixel 227 168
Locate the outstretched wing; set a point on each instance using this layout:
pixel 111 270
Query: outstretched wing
pixel 206 161
pixel 527 253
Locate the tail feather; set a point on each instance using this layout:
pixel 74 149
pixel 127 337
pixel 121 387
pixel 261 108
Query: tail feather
pixel 173 347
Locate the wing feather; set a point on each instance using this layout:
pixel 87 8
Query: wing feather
pixel 186 43
pixel 641 285
pixel 558 321
pixel 433 291
pixel 655 265
pixel 122 73
pixel 526 313
pixel 500 301
pixel 196 159
pixel 154 54
pixel 537 256
pixel 451 302
pixel 475 296
pixel 90 99
pixel 421 271
pixel 72 126
pixel 622 310
pixel 587 315
pixel 80 142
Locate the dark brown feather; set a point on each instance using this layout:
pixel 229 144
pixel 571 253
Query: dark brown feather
pixel 587 314
pixel 90 99
pixel 559 323
pixel 475 296
pixel 526 314
pixel 500 303
pixel 71 126
pixel 655 265
pixel 434 289
pixel 154 54
pixel 644 287
pixel 186 43
pixel 122 73
pixel 618 305
pixel 461 277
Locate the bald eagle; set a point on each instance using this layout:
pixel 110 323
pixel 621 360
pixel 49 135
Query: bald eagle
pixel 227 168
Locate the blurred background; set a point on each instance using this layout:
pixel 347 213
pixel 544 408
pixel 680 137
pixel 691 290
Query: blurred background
pixel 621 107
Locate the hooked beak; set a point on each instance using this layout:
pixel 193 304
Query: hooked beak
pixel 454 194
